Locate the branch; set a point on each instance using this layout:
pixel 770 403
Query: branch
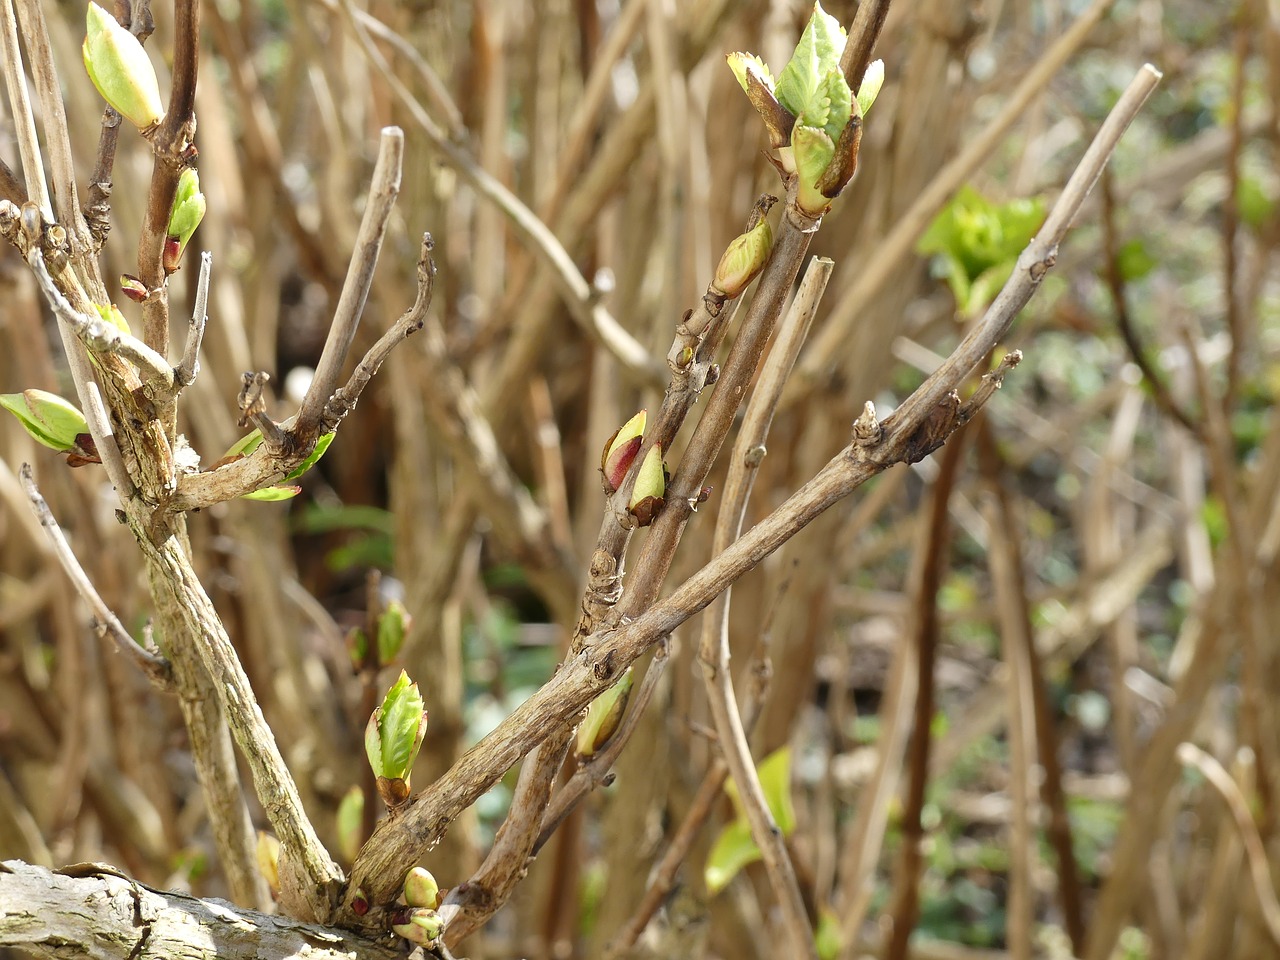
pixel 714 652
pixel 148 659
pixel 173 145
pixel 94 910
pixel 186 372
pixel 102 337
pixel 395 845
pixel 20 109
pixel 1259 869
pixel 883 267
pixel 383 190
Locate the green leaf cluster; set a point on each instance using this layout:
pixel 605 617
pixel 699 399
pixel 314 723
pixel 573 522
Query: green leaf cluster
pixel 976 244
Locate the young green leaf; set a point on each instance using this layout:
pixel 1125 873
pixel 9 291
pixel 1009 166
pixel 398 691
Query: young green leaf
pixel 350 819
pixel 806 81
pixel 733 850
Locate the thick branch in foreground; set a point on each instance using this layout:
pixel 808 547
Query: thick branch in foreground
pixel 92 910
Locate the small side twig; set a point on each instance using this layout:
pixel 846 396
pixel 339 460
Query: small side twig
pixel 1259 869
pixel 1124 321
pixel 383 190
pixel 252 402
pixel 147 658
pixel 185 373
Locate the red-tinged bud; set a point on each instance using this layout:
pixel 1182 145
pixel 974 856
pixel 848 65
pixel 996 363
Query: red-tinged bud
pixel 620 451
pixel 359 903
pixel 172 254
pixel 133 288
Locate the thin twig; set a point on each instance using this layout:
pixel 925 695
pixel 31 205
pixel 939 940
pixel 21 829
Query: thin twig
pixel 383 190
pixel 1231 209
pixel 189 368
pixel 1059 826
pixel 24 121
pixel 863 34
pixel 172 144
pixel 1124 321
pixel 148 660
pixel 934 564
pixel 714 649
pixel 1259 868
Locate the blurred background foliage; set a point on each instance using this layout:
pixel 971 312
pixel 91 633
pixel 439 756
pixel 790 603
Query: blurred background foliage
pixel 1131 462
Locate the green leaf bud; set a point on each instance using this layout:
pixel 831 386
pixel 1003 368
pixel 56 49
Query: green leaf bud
pixel 421 889
pixel 393 737
pixel 185 215
pixel 743 259
pixel 48 418
pixel 813 151
pixel 603 717
pixel 120 69
pixel 650 487
pixel 393 626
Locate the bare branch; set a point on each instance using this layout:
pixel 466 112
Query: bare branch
pixel 383 190
pixel 148 659
pixel 187 371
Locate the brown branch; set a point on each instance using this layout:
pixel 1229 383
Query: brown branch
pixel 935 564
pixel 147 658
pixel 863 34
pixel 383 190
pixel 920 422
pixel 94 910
pixel 172 143
pixel 1124 321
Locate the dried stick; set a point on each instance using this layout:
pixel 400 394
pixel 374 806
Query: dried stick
pixel 1255 851
pixel 935 547
pixel 890 252
pixel 20 109
pixel 383 190
pixel 583 300
pixel 919 426
pixel 1016 640
pixel 147 658
pixel 185 373
pixel 54 122
pixel 663 877
pixel 714 649
pixel 1231 208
